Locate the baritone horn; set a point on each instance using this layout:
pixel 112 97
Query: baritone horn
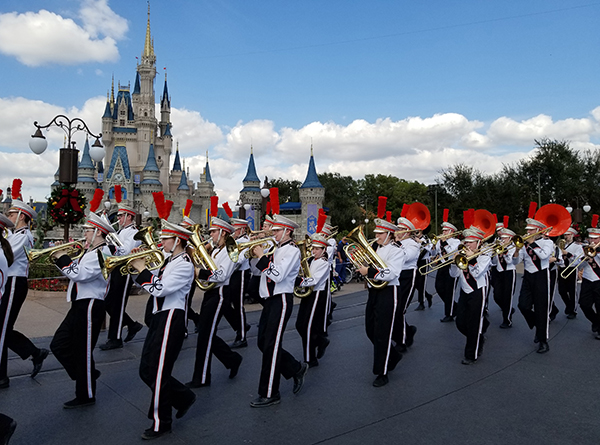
pixel 304 246
pixel 200 257
pixel 108 263
pixel 362 254
pixel 269 242
pixel 75 249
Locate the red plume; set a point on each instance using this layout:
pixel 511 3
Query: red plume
pixel 214 205
pixel 405 209
pixel 321 220
pixel 188 207
pixel 532 207
pixel 16 188
pixel 381 206
pixel 468 218
pixel 159 202
pixel 268 207
pixel 1 191
pixel 445 217
pixel 495 218
pixel 167 209
pixel 506 221
pixel 594 221
pixel 388 216
pixel 228 209
pixel 118 193
pixel 96 200
pixel 274 193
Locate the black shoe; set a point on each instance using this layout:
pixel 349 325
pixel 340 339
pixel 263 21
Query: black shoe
pixel 4 383
pixel 410 335
pixel 321 349
pixel 8 432
pixel 79 403
pixel 132 330
pixel 429 298
pixel 235 368
pixel 380 381
pixel 299 378
pixel 239 344
pixel 263 402
pixel 420 307
pixel 468 361
pixel 111 344
pixel 150 434
pixel 543 347
pixel 183 411
pixel 447 319
pixel 38 361
pixel 196 384
pixel 506 325
pixel 571 316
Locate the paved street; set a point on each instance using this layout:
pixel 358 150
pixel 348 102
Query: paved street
pixel 511 395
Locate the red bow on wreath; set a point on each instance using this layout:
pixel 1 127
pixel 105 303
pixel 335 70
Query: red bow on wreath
pixel 69 196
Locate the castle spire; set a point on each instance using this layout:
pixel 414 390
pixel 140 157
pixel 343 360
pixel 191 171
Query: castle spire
pixel 148 44
pixel 312 179
pixel 112 90
pixel 177 163
pixel 251 175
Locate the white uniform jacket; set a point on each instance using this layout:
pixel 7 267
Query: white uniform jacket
pixel 393 258
pixel 319 274
pixel 507 264
pixel 19 239
pixel 475 276
pixel 279 271
pixel 572 257
pixel 126 235
pixel 411 250
pixel 538 259
pixel 243 263
pixel 170 285
pixel 85 276
pixel 225 267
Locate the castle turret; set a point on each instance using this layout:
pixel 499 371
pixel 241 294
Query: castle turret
pixel 250 194
pixel 86 181
pixel 205 189
pixel 312 195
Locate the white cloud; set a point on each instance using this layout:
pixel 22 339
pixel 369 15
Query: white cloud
pixel 44 37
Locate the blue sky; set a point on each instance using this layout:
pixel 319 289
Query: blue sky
pixel 391 87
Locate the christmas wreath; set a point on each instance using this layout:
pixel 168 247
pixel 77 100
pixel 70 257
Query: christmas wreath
pixel 66 205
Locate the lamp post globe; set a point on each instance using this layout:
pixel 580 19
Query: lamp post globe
pixel 569 208
pixel 38 142
pixel 265 192
pixel 587 208
pixel 97 151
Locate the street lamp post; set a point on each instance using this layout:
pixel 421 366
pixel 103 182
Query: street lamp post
pixel 69 155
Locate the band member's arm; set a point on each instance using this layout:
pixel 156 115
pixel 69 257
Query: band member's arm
pixel 394 264
pixel 169 282
pixel 319 272
pixel 225 267
pixel 288 259
pixel 84 269
pixel 18 241
pixel 480 265
pixel 542 248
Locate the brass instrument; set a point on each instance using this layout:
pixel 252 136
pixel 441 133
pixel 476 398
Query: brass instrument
pixel 462 260
pixel 114 239
pixel 435 238
pixel 589 252
pixel 305 254
pixel 75 249
pixel 333 234
pixel 441 261
pixel 519 241
pixel 260 233
pixel 200 257
pixel 562 244
pixel 360 253
pixel 237 248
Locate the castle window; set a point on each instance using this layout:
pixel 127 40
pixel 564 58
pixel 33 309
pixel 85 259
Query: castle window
pixel 146 113
pixel 122 122
pixel 122 112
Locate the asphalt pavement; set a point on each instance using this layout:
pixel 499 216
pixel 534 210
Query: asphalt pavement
pixel 512 395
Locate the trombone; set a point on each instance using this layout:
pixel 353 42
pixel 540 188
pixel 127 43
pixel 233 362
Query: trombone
pixel 441 261
pixel 75 249
pixel 519 240
pixel 589 252
pixel 435 238
pixel 462 260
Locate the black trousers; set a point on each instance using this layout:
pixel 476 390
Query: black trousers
pixel 567 288
pixel 276 361
pixel 234 311
pixel 74 341
pixel 116 303
pixel 190 314
pixel 444 286
pixel 407 284
pixel 161 348
pixel 420 283
pixel 380 313
pixel 209 342
pixel 504 288
pixel 534 302
pixel 589 301
pixel 15 292
pixel 310 323
pixel 471 320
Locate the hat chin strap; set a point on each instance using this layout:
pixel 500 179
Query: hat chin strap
pixel 174 245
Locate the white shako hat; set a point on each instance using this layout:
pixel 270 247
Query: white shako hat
pixel 405 224
pixel 126 209
pixel 593 232
pixel 499 226
pixel 284 223
pixel 534 224
pixel 318 240
pixel 572 231
pixel 327 229
pixel 187 221
pixel 472 234
pixel 219 224
pixel 268 220
pixel 170 230
pixel 383 226
pixel 5 222
pixel 18 205
pixel 238 222
pixel 506 233
pixel 447 225
pixel 98 222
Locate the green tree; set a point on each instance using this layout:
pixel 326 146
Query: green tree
pixel 289 191
pixel 341 200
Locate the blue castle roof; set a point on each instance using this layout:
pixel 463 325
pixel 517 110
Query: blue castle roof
pixel 151 165
pixel 177 163
pixel 119 152
pixel 312 180
pixel 137 89
pixel 86 159
pixel 207 173
pixel 107 112
pixel 123 95
pixel 183 185
pixel 251 175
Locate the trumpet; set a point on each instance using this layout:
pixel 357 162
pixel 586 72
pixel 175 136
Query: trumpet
pixel 75 249
pixel 588 253
pixel 441 261
pixel 304 246
pixel 360 253
pixel 154 260
pixel 435 238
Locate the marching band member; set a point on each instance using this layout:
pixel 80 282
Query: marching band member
pixel 234 311
pixel 313 308
pixel 567 287
pixel 589 298
pixel 120 286
pixel 382 303
pixel 278 275
pixel 471 320
pixel 190 314
pixel 534 299
pixel 403 332
pixel 556 261
pixel 6 260
pixel 505 277
pixel 20 216
pixel 168 290
pixel 327 231
pixel 209 342
pixel 420 279
pixel 444 282
pixel 74 341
